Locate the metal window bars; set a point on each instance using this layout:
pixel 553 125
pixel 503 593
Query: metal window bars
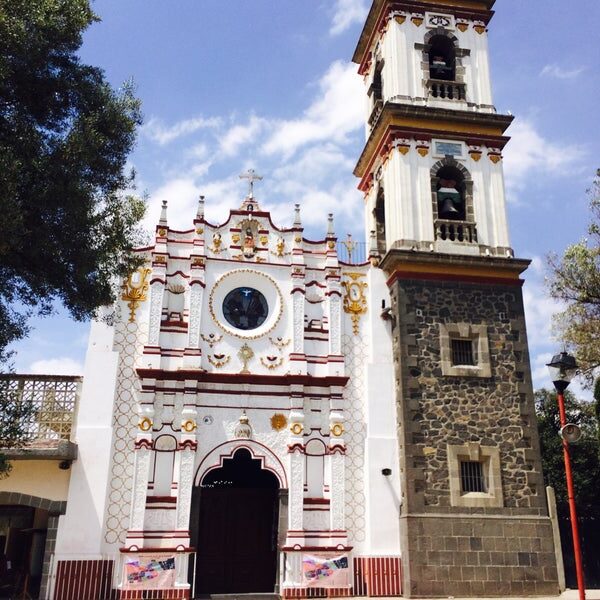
pixel 471 477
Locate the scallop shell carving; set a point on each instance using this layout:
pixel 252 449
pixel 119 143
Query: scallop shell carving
pixel 176 288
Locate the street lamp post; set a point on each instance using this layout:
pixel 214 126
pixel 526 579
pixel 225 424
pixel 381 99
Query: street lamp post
pixel 562 370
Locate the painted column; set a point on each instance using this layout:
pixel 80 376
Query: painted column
pixel 297 464
pixel 298 357
pixel 337 464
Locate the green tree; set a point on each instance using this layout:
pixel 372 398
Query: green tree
pixel 69 218
pixel 575 280
pixel 15 416
pixel 585 455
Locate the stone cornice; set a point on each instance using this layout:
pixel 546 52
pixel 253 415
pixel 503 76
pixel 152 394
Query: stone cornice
pixel 474 9
pixel 429 121
pixel 407 264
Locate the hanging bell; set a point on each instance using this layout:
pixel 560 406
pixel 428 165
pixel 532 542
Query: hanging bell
pixel 447 209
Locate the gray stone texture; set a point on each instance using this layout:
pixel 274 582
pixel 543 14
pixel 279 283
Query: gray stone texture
pixel 493 551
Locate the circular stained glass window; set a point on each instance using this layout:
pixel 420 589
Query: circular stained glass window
pixel 245 308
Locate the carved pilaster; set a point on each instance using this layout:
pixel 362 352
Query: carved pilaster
pixel 337 465
pixel 196 295
pixel 187 455
pixel 156 302
pixel 296 495
pixel 335 321
pixel 140 484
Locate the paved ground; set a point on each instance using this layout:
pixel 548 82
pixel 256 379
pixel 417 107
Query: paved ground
pixel 568 595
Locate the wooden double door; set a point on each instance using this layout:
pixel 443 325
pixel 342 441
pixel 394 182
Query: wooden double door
pixel 237 529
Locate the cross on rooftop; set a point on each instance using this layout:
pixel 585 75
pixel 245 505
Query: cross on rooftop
pixel 251 176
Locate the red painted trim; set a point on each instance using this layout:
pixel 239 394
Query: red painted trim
pixel 229 378
pixel 161 499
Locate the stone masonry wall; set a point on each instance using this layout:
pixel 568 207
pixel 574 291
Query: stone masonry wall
pixel 499 545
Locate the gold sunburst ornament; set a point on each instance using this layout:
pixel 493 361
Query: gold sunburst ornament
pixel 278 422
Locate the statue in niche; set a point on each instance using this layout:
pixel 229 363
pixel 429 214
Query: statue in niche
pixel 450 200
pixel 249 246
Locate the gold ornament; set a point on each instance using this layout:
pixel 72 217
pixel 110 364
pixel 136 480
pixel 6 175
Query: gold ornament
pixel 495 158
pixel 200 230
pixel 479 29
pixel 475 155
pixel 355 301
pixel 399 19
pixel 219 360
pixel 145 424
pixel 418 21
pixel 463 26
pixel 245 354
pixel 404 149
pixel 337 429
pixel 189 426
pixel 264 239
pixel 297 428
pixel 135 290
pixel 423 151
pixel 162 232
pixel 235 238
pixel 278 422
pixel 271 362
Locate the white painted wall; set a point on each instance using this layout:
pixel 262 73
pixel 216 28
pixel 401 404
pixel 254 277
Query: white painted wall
pixel 80 529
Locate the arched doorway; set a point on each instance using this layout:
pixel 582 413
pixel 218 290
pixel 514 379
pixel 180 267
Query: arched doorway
pixel 236 510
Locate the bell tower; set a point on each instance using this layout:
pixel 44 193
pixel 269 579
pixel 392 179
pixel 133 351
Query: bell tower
pixel 474 513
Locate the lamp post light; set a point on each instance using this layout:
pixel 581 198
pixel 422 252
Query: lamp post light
pixel 562 370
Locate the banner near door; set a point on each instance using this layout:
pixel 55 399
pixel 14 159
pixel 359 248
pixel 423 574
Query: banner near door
pixel 325 571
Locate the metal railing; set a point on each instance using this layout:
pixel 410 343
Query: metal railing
pixel 46 405
pixel 351 252
pixel 461 232
pixel 447 90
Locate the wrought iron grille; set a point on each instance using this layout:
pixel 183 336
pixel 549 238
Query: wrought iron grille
pixel 351 252
pixel 48 405
pixel 471 477
pixel 462 352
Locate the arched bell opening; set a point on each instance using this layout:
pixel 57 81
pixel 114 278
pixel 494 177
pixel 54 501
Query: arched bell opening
pixel 442 58
pixel 451 194
pixel 376 89
pixel 234 527
pixel 379 218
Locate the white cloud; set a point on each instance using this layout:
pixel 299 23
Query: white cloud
pixel 529 153
pixel 347 13
pixel 239 135
pixel 337 111
pixel 554 70
pixel 163 134
pixel 182 197
pixel 56 366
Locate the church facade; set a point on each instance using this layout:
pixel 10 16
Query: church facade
pixel 260 415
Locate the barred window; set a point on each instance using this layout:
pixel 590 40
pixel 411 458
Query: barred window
pixel 471 477
pixel 462 352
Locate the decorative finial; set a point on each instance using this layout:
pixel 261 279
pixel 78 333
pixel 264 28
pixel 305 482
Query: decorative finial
pixel 163 213
pixel 200 211
pixel 251 176
pixel 243 429
pixel 330 231
pixel 297 220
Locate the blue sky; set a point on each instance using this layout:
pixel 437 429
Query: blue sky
pixel 269 84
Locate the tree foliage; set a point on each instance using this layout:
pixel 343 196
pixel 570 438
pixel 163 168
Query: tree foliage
pixel 585 454
pixel 69 220
pixel 575 280
pixel 15 414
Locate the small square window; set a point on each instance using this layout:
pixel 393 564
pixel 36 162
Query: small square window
pixel 462 352
pixel 472 478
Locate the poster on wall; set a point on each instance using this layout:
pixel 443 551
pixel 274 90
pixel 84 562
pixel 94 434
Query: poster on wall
pixel 325 571
pixel 149 572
